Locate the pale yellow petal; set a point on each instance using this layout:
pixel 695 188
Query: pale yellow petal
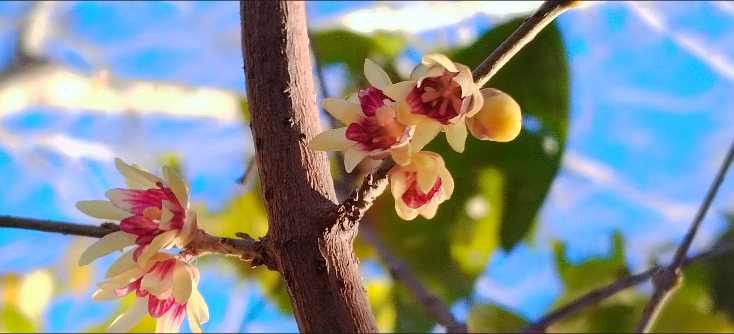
pixel 404 212
pixel 138 176
pixel 439 59
pixel 162 241
pixel 477 102
pixel 425 131
pixel 447 182
pixel 102 209
pixel 331 140
pixel 418 72
pixel 122 264
pixel 188 231
pixel 155 284
pixel 343 110
pixel 123 279
pixel 401 153
pixel 132 184
pixel 104 295
pixel 166 215
pixel 399 91
pixel 106 245
pixel 196 311
pixel 352 157
pixel 456 135
pixel 397 183
pixel 429 209
pixel 375 75
pixel 405 116
pixel 178 186
pixel 126 321
pixel 467 85
pixel 427 177
pixel 435 71
pixel 182 282
pixel 354 98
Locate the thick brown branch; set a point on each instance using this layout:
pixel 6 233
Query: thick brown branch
pixel 304 242
pixel 373 185
pixel 401 273
pixel 667 279
pixel 203 243
pixel 597 295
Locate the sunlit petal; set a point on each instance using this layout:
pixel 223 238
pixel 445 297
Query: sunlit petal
pixel 136 175
pixel 456 135
pixel 343 110
pixel 375 75
pixel 123 263
pixel 436 58
pixel 182 282
pixel 401 153
pixel 157 244
pixel 106 245
pixel 425 131
pixel 404 212
pixel 126 321
pixel 399 91
pixel 104 295
pixel 178 186
pixel 352 157
pixel 331 140
pixel 426 178
pixel 102 209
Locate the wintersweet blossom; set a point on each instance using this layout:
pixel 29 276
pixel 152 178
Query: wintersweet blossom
pixel 438 97
pixel 372 128
pixel 153 212
pixel 419 187
pixel 165 288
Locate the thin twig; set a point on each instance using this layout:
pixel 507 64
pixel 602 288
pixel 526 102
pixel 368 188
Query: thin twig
pixel 361 198
pixel 249 174
pixel 597 295
pixel 548 11
pixel 666 279
pixel 400 272
pixel 203 243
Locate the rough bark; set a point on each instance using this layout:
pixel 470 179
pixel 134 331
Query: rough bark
pixel 305 243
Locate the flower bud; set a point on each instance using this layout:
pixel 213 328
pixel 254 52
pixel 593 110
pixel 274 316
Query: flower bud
pixel 499 119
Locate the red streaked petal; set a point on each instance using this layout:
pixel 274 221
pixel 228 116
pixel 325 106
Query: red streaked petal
pixel 135 201
pixel 138 225
pixel 371 98
pixel 157 307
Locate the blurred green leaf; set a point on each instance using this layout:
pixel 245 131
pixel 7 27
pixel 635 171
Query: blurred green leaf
pixel 721 274
pixel 537 78
pixel 486 318
pixel 351 49
pixel 593 273
pixel 13 321
pixel 245 110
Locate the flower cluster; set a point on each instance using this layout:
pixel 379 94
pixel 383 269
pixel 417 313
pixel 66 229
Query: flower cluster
pixel 154 215
pixel 399 119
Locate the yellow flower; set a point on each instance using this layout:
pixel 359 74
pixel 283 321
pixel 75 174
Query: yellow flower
pixel 419 187
pixel 154 212
pixel 499 119
pixel 165 288
pixel 372 128
pixel 438 97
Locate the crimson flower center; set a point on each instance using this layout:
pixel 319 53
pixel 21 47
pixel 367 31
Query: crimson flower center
pixel 439 98
pixel 415 198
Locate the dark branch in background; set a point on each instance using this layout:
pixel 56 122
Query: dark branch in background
pixel 361 198
pixel 250 173
pixel 666 279
pixel 400 272
pixel 203 243
pixel 597 295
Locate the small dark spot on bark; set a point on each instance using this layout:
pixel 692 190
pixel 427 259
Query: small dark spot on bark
pixel 302 139
pixel 267 193
pixel 321 265
pixel 258 143
pixel 289 121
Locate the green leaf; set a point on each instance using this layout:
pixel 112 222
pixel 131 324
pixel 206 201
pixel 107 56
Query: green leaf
pixel 351 49
pixel 13 321
pixel 486 318
pixel 721 274
pixel 537 78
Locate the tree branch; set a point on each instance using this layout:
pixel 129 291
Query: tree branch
pixel 597 295
pixel 374 184
pixel 666 279
pixel 203 243
pixel 400 272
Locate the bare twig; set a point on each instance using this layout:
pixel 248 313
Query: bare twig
pixel 666 279
pixel 548 11
pixel 203 243
pixel 400 272
pixel 597 295
pixel 249 174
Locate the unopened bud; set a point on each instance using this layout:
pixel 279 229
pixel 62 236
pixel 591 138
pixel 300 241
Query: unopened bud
pixel 499 119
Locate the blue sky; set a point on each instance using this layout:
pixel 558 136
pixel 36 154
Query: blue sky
pixel 650 122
